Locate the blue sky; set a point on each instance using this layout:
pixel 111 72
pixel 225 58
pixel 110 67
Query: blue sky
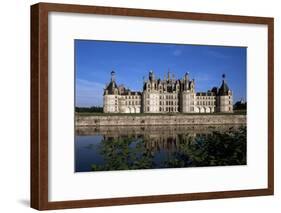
pixel 94 60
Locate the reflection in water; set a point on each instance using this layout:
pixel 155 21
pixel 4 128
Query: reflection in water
pixel 149 147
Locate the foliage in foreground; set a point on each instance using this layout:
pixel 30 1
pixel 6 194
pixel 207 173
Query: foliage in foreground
pixel 216 149
pixel 93 109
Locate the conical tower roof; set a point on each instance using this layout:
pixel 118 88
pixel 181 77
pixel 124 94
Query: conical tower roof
pixel 111 87
pixel 224 89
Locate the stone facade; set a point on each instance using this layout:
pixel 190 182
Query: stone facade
pixel 169 95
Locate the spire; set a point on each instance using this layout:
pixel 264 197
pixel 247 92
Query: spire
pixel 151 75
pixel 186 76
pixel 169 74
pixel 112 76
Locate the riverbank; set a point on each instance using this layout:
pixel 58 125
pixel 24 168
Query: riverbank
pixel 159 119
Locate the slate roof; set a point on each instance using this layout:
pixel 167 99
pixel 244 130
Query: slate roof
pixel 111 87
pixel 224 88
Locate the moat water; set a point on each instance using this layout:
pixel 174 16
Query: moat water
pixel 154 147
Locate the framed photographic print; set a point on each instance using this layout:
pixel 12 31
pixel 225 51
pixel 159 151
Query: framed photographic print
pixel 133 106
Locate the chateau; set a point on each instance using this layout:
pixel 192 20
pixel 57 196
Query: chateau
pixel 166 96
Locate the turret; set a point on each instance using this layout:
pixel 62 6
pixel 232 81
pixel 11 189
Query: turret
pixel 186 81
pixel 111 88
pixel 109 97
pixel 192 85
pixel 150 95
pixel 186 76
pixel 151 75
pixel 112 76
pixel 169 75
pixel 224 98
pixel 224 89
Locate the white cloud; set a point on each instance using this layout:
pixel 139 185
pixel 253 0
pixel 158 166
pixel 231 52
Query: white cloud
pixel 217 54
pixel 89 93
pixel 177 52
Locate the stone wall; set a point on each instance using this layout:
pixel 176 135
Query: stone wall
pixel 163 130
pixel 143 120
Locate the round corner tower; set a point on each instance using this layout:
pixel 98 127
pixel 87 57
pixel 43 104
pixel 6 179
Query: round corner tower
pixel 224 98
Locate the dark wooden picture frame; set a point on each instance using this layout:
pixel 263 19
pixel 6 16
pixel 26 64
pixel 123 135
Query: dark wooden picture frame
pixel 39 105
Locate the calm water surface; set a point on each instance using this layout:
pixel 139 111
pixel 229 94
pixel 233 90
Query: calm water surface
pixel 150 147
